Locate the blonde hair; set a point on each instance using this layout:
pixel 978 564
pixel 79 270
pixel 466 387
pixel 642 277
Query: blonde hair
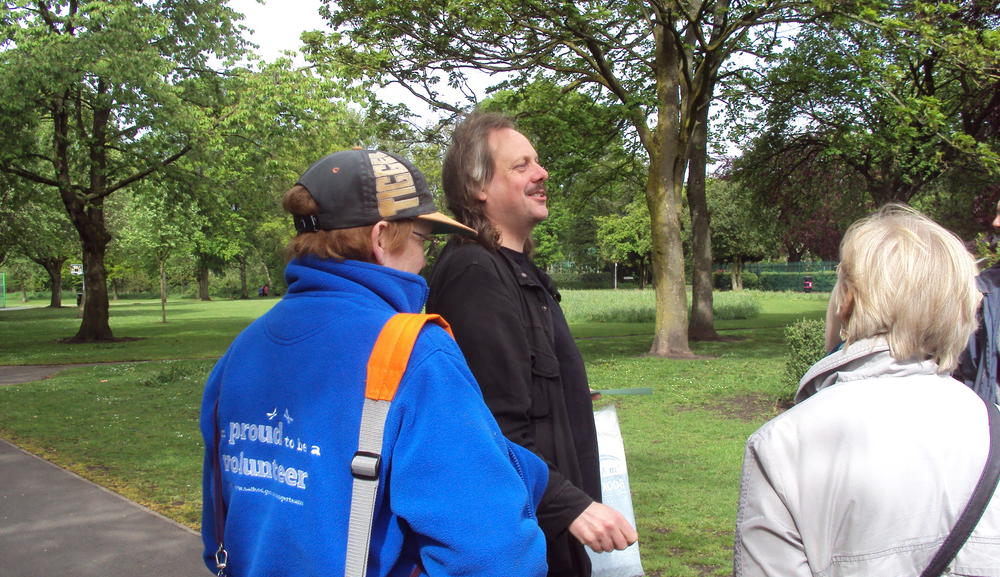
pixel 345 243
pixel 911 281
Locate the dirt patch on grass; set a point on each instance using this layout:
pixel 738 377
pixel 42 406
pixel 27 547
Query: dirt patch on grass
pixel 74 341
pixel 747 408
pixel 18 374
pixel 686 357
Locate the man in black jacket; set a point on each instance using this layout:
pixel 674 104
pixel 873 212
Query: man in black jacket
pixel 506 318
pixel 979 364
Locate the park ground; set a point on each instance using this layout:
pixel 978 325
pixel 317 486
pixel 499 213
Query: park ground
pixel 128 418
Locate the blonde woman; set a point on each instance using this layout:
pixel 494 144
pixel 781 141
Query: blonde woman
pixel 868 473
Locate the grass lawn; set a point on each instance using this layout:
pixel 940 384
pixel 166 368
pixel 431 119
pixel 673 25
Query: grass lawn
pixel 194 330
pixel 133 427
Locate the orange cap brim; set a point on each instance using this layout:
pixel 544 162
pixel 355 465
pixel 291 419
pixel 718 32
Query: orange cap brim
pixel 442 224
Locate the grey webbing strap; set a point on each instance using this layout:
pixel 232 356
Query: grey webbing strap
pixel 386 366
pixel 365 468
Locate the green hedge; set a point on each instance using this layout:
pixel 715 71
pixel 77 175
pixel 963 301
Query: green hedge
pixel 804 266
pixel 806 342
pixel 823 281
pixel 722 280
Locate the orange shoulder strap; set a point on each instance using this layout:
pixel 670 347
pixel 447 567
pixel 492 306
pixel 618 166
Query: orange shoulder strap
pixel 386 366
pixel 387 362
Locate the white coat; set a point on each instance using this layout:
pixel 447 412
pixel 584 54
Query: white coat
pixel 867 474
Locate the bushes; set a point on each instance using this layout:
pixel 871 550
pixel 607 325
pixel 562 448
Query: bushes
pixel 722 280
pixel 609 306
pixel 823 280
pixel 805 340
pixel 583 280
pixel 734 305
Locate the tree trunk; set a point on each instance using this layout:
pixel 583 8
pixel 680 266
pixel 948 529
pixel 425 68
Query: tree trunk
pixel 736 274
pixel 55 282
pixel 202 274
pixel 267 274
pixel 53 266
pixel 670 337
pixel 244 291
pixel 702 324
pixel 163 289
pixel 87 215
pixel 95 326
pixel 667 162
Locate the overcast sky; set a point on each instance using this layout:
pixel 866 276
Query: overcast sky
pixel 277 24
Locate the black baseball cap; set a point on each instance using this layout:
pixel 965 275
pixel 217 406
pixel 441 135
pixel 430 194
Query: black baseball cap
pixel 361 187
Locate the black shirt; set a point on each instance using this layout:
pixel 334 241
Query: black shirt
pixel 574 377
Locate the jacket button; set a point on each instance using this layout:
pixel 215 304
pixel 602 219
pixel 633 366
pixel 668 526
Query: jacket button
pixel 545 308
pixel 524 275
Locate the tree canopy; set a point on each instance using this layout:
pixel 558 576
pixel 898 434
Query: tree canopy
pixel 99 95
pixel 106 96
pixel 35 227
pixel 654 63
pixel 875 103
pixel 840 107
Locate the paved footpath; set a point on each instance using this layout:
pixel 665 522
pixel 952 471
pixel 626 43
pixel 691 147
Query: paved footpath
pixel 53 522
pixel 16 374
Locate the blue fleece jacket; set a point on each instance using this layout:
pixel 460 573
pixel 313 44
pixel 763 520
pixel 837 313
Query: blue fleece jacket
pixel 454 497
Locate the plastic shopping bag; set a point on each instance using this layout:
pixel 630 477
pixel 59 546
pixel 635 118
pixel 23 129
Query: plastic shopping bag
pixel 615 494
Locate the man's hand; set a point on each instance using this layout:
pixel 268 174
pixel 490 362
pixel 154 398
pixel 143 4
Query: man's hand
pixel 603 529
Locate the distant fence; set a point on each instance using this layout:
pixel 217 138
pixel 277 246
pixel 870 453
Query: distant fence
pixel 768 276
pixel 781 276
pixel 801 266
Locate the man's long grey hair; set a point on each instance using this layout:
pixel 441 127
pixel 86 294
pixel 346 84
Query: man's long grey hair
pixel 468 168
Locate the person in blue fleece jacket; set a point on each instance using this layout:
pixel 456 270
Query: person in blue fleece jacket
pixel 281 410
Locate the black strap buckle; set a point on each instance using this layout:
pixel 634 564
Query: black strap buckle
pixel 365 466
pixel 307 223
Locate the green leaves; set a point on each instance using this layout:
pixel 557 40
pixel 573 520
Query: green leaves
pixel 882 102
pixel 742 230
pixel 626 238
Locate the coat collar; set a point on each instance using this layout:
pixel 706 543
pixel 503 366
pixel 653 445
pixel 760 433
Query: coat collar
pixel 865 359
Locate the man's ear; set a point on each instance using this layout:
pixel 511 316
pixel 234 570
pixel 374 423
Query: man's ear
pixel 378 251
